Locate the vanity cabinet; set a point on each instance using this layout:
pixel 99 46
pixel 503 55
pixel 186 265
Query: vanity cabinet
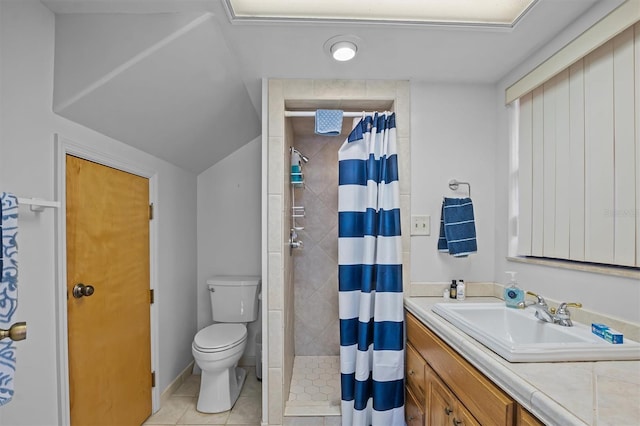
pixel 444 389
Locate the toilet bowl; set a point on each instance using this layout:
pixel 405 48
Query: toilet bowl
pixel 217 349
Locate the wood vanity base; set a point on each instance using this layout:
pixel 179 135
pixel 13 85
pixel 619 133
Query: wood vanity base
pixel 445 389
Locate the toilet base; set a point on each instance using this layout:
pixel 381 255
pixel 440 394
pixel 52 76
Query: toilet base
pixel 220 390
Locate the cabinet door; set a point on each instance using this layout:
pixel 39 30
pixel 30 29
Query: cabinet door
pixel 462 417
pixel 415 373
pixel 443 406
pixel 440 403
pixel 413 412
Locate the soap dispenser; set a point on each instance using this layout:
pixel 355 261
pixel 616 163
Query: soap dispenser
pixel 296 169
pixel 512 294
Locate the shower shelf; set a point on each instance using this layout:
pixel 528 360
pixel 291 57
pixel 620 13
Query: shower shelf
pixel 297 211
pixel 297 180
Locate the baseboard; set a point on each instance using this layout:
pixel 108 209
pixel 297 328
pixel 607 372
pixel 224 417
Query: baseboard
pixel 176 383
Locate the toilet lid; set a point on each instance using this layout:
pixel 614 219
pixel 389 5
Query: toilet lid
pixel 219 337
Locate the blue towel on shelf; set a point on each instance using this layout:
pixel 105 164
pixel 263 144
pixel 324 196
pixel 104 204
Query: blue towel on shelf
pixel 8 290
pixel 457 227
pixel 328 122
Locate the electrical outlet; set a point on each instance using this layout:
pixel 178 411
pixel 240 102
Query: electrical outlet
pixel 421 225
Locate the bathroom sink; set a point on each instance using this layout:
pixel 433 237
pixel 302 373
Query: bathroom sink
pixel 518 336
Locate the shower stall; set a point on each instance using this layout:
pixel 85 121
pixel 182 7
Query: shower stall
pixel 315 383
pixel 302 320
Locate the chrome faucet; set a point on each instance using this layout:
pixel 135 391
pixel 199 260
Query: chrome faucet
pixel 560 316
pixel 540 305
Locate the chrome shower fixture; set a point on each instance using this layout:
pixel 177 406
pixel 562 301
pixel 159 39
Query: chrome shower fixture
pixel 302 156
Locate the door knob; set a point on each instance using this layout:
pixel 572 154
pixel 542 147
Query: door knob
pixel 80 290
pixel 17 331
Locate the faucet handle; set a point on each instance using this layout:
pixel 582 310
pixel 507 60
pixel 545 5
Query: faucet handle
pixel 562 314
pixel 541 300
pixel 562 308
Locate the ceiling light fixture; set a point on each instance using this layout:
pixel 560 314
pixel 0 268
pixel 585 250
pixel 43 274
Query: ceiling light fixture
pixel 343 47
pixel 343 51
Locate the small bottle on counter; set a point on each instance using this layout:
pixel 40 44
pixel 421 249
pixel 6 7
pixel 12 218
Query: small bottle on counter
pixel 461 290
pixel 446 293
pixel 453 290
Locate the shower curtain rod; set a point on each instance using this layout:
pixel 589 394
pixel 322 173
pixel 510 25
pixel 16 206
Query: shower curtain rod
pixel 313 113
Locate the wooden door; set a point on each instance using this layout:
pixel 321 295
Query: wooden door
pixel 108 331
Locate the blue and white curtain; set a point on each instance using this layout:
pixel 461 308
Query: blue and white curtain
pixel 370 276
pixel 8 290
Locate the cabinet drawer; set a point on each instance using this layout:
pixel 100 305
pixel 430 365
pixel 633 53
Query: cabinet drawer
pixel 415 373
pixel 484 400
pixel 413 410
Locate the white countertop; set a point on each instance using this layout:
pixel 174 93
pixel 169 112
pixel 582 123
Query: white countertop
pixel 558 393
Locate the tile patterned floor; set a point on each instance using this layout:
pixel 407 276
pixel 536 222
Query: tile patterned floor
pixel 180 407
pixel 314 399
pixel 315 387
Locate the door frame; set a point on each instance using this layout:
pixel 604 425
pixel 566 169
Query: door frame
pixel 64 146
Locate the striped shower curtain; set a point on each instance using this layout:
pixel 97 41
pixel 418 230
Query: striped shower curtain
pixel 370 276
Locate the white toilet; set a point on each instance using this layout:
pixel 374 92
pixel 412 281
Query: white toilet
pixel 218 347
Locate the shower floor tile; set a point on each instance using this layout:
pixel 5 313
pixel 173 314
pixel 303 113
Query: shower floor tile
pixel 315 387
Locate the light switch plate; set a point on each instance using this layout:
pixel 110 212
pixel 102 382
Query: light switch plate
pixel 421 225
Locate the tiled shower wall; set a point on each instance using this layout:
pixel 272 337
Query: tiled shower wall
pixel 316 265
pixel 279 341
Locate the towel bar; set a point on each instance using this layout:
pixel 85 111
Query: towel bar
pixel 38 205
pixel 454 184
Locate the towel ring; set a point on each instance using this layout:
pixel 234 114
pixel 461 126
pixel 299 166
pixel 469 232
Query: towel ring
pixel 454 184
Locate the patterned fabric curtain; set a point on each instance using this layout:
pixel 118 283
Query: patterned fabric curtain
pixel 370 276
pixel 8 290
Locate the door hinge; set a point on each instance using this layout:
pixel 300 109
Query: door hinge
pixel 152 296
pixel 153 379
pixel 151 211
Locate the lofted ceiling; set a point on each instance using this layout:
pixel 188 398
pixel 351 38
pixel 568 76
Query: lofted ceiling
pixel 181 80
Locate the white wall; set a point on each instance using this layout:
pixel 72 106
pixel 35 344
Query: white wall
pixel 86 43
pixel 605 294
pixel 229 225
pixel 27 128
pixel 452 136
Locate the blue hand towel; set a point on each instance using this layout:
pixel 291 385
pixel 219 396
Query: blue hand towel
pixel 457 227
pixel 8 290
pixel 328 122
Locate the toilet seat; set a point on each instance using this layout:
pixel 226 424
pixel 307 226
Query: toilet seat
pixel 220 337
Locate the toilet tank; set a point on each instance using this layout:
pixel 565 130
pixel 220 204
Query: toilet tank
pixel 234 298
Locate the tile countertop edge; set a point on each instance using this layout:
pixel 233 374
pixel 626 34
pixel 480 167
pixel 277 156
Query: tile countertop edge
pixel 548 410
